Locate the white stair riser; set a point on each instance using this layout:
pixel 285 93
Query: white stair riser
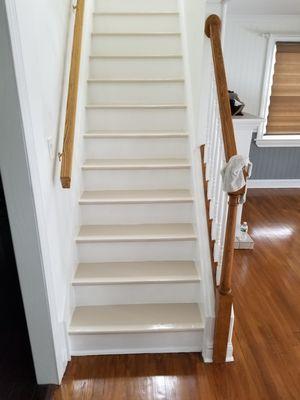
pixel 136 93
pixel 137 293
pixel 136 23
pixel 119 214
pixel 136 251
pixel 135 343
pixel 136 119
pixel 135 5
pixel 135 45
pixel 136 68
pixel 132 148
pixel 136 179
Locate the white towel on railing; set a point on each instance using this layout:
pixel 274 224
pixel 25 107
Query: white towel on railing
pixel 233 175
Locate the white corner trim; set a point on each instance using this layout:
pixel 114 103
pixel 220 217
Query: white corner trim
pixel 279 141
pixel 273 183
pixel 267 83
pixel 207 354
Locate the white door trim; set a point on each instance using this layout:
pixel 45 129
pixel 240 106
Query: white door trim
pixel 23 196
pixel 268 80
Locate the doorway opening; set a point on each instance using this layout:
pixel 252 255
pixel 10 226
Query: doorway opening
pixel 17 373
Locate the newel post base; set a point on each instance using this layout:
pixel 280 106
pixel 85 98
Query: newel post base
pixel 222 326
pixel 223 292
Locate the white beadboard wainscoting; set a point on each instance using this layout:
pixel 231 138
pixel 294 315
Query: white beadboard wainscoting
pixel 245 52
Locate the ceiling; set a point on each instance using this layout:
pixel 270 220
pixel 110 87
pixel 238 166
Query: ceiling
pixel 264 7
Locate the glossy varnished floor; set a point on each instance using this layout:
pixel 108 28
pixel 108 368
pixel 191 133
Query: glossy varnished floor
pixel 267 331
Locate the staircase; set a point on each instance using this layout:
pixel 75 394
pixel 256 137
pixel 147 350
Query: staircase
pixel 136 288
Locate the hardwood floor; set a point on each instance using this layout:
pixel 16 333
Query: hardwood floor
pixel 267 331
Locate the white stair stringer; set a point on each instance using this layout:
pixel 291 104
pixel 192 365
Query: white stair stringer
pixel 136 287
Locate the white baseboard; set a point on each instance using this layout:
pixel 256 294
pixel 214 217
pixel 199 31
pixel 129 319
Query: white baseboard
pixel 273 183
pixel 180 349
pixel 207 354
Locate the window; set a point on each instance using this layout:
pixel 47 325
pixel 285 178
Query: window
pixel 284 109
pixel 280 102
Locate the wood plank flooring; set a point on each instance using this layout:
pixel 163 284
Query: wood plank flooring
pixel 267 331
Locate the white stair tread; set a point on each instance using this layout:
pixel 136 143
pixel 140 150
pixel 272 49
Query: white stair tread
pixel 143 232
pixel 137 13
pixel 136 318
pixel 144 80
pixel 135 272
pixel 135 56
pixel 135 164
pixel 135 196
pixel 127 134
pixel 136 34
pixel 136 106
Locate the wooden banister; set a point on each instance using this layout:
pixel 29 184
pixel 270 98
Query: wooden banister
pixel 224 297
pixel 68 144
pixel 213 31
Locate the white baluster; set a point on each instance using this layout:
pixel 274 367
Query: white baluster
pixel 218 189
pixel 210 170
pixel 209 121
pixel 223 233
pixel 215 172
pixel 211 141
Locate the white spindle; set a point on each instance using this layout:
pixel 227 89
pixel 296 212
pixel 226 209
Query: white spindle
pixel 209 121
pixel 215 175
pixel 214 136
pixel 218 190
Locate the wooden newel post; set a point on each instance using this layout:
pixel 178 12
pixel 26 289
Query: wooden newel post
pixel 223 292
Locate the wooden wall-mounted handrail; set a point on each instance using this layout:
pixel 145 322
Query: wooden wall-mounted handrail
pixel 68 145
pixel 224 297
pixel 213 31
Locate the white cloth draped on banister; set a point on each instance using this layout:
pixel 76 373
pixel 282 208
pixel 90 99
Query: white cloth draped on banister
pixel 233 174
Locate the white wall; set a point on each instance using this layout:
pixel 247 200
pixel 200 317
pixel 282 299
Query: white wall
pixel 198 59
pixel 245 52
pixel 43 27
pixel 279 7
pixel 40 36
pixel 17 184
pixel 192 20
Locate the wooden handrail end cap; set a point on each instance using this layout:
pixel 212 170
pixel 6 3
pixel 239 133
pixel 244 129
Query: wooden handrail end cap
pixel 65 182
pixel 213 19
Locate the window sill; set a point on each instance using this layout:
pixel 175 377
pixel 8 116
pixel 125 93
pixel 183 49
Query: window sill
pixel 279 141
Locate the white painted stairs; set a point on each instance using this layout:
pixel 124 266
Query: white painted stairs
pixel 136 288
